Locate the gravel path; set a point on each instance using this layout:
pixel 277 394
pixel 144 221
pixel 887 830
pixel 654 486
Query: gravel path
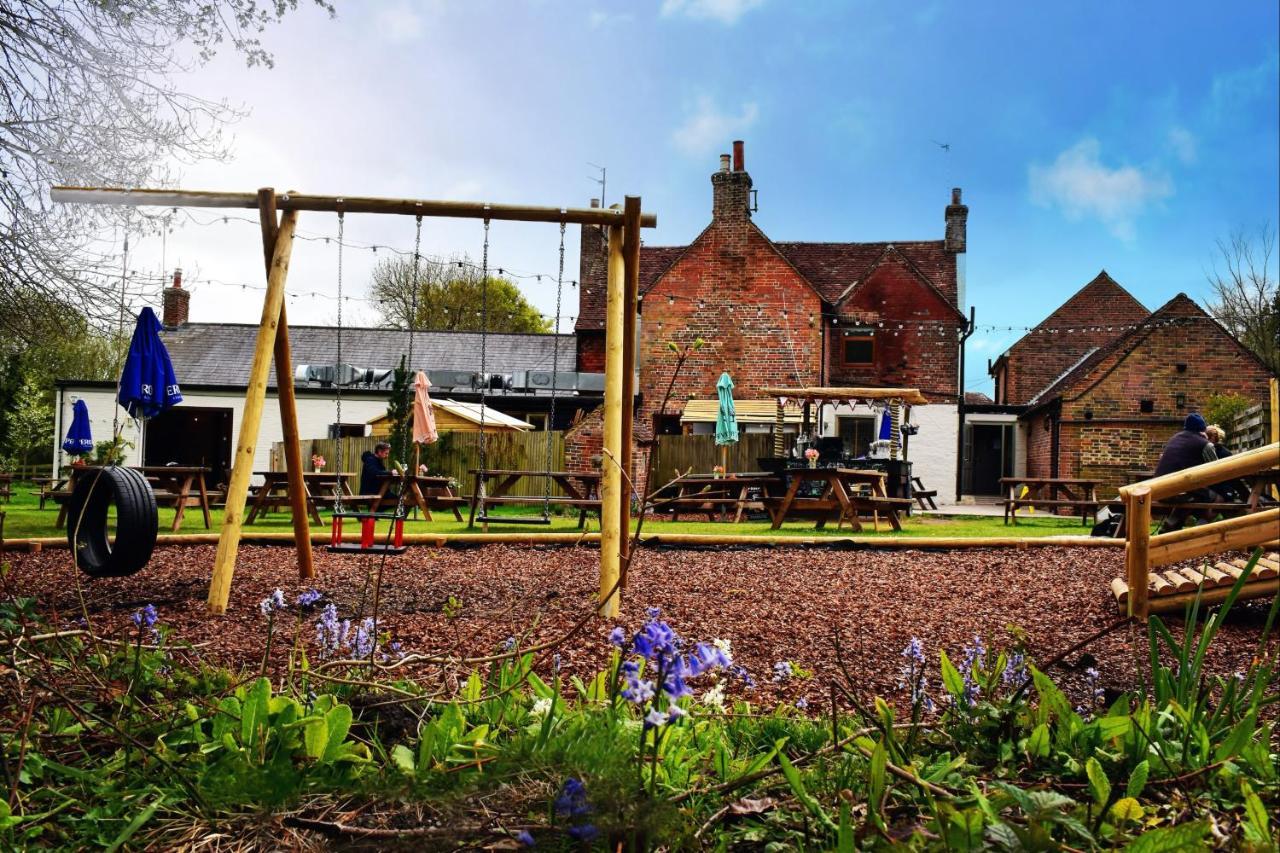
pixel 772 604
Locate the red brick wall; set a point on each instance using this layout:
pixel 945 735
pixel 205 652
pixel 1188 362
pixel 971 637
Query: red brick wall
pixel 917 355
pixel 590 351
pixel 760 320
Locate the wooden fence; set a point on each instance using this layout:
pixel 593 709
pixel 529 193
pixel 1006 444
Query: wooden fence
pixel 701 453
pixel 1249 429
pixel 453 455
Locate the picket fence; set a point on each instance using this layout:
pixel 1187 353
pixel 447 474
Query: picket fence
pixel 454 455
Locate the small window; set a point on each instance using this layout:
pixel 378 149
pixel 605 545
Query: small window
pixel 1146 406
pixel 346 430
pixel 856 433
pixel 858 347
pixel 537 419
pixel 666 425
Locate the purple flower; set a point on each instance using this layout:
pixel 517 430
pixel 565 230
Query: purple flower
pixel 572 799
pixel 653 612
pixel 802 703
pixel 366 641
pixel 654 718
pixel 525 838
pixel 309 598
pixel 1015 670
pixel 638 691
pixel 508 644
pixel 146 617
pixel 583 832
pixel 782 671
pixel 914 651
pixel 618 637
pixel 275 601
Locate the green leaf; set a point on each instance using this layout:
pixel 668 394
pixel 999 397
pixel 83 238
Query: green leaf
pixel 1172 839
pixel 1098 781
pixel 1253 809
pixel 1003 836
pixel 951 678
pixel 402 758
pixel 134 825
pixel 1137 780
pixel 1239 737
pixel 1110 728
pixel 844 838
pixel 1048 801
pixel 1038 742
pixel 315 737
pixel 1127 808
pixel 875 785
pixel 255 712
pixel 797 787
pixel 338 721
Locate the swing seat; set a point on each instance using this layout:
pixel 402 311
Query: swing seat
pixel 485 518
pixel 366 544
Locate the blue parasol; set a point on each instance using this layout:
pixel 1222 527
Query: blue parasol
pixel 148 385
pixel 726 417
pixel 886 425
pixel 79 438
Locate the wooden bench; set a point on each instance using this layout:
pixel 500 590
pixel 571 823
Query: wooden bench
pixel 922 495
pixel 1088 509
pixel 1164 509
pixel 830 509
pixel 584 505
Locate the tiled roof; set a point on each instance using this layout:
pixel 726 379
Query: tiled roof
pixel 222 353
pixel 976 398
pixel 830 267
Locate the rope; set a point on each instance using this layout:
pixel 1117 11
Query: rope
pixel 124 275
pixel 484 381
pixel 337 378
pixel 555 367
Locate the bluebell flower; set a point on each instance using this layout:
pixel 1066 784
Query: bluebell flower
pixel 782 671
pixel 331 634
pixel 525 838
pixel 618 637
pixel 1015 670
pixel 273 602
pixel 583 832
pixel 572 802
pixel 914 651
pixel 146 617
pixel 675 712
pixel 630 668
pixel 366 640
pixel 638 691
pixel 802 703
pixel 555 662
pixel 653 612
pixel 508 644
pixel 654 718
pixel 310 598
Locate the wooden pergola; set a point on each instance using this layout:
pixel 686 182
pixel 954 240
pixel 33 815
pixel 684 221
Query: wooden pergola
pixel 893 398
pixel 278 214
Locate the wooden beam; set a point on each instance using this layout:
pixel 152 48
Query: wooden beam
pixel 611 485
pixel 1208 474
pixel 251 419
pixel 1246 531
pixel 631 295
pixel 288 401
pixel 347 204
pixel 1137 565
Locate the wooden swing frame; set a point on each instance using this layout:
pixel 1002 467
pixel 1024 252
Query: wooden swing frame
pixel 278 215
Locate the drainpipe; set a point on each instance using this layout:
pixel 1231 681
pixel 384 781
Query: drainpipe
pixel 964 336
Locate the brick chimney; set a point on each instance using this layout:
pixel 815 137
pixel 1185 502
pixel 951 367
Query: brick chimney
pixel 731 188
pixel 593 261
pixel 176 303
pixel 957 217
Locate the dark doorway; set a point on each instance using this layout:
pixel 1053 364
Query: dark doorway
pixel 990 457
pixel 188 435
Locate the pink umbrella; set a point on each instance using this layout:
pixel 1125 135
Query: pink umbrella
pixel 424 419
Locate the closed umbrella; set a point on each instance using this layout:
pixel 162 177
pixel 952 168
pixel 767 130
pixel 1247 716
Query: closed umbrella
pixel 726 418
pixel 148 385
pixel 886 425
pixel 424 417
pixel 79 440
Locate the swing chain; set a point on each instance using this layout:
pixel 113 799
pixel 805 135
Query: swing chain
pixel 484 380
pixel 555 367
pixel 413 320
pixel 337 378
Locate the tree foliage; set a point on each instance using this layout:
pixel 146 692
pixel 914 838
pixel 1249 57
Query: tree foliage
pixel 400 413
pixel 450 295
pixel 89 99
pixel 1246 296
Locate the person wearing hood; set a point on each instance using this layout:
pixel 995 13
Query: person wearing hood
pixel 1186 449
pixel 373 468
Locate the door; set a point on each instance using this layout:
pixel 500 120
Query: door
pixel 991 457
pixel 190 435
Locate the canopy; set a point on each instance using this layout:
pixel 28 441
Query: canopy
pixel 726 418
pixel 424 417
pixel 147 383
pixel 800 396
pixel 79 439
pixel 746 411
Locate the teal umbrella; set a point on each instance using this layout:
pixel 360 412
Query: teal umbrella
pixel 726 418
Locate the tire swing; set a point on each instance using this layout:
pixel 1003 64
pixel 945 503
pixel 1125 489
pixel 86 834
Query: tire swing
pixel 136 522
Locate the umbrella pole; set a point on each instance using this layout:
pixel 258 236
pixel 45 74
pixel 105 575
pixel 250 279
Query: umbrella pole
pixel 724 457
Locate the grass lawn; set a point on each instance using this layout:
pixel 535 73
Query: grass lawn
pixel 23 520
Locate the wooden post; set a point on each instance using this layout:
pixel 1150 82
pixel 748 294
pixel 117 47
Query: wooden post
pixel 224 565
pixel 779 421
pixel 1275 423
pixel 611 487
pixel 288 401
pixel 631 295
pixel 1136 557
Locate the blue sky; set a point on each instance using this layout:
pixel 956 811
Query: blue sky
pixel 1086 136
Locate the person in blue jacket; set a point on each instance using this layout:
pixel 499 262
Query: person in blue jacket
pixel 373 468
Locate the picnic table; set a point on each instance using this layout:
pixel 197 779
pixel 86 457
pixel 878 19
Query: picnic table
pixel 426 492
pixel 715 496
pixel 6 486
pixel 581 489
pixel 1051 493
pixel 321 487
pixel 841 494
pixel 45 487
pixel 178 486
pixel 1260 482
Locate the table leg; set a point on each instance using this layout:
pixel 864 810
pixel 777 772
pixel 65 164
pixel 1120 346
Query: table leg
pixel 742 505
pixel 569 488
pixel 382 491
pixel 475 501
pixel 420 499
pixel 204 500
pixel 263 492
pixel 787 501
pixel 181 502
pixel 837 489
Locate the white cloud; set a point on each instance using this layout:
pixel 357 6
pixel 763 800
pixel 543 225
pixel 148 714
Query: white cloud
pixel 707 126
pixel 724 11
pixel 398 22
pixel 1080 184
pixel 1183 144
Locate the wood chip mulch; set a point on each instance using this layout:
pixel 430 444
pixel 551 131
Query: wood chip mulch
pixel 773 604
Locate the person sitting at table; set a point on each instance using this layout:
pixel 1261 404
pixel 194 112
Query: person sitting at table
pixel 373 468
pixel 1235 490
pixel 1186 449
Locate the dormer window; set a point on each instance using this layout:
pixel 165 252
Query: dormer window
pixel 858 346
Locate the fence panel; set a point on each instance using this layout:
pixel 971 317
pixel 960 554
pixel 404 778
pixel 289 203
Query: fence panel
pixel 1249 429
pixel 701 453
pixel 453 455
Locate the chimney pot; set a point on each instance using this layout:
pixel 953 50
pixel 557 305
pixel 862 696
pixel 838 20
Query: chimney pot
pixel 177 278
pixel 957 216
pixel 739 158
pixel 595 202
pixel 724 162
pixel 955 195
pixel 175 303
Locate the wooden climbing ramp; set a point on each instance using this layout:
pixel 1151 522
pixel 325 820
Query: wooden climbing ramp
pixel 1175 588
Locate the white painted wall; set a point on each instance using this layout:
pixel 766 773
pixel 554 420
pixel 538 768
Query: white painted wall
pixel 932 450
pixel 315 414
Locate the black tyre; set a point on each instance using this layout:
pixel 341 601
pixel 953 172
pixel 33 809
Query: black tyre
pixel 136 523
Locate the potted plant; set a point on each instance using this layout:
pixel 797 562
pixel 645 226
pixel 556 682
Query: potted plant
pixel 318 462
pixel 812 456
pixel 717 472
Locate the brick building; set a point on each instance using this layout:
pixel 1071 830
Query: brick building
pixel 1127 385
pixel 790 313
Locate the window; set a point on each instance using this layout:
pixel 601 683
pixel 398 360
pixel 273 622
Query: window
pixel 858 346
pixel 537 419
pixel 1146 406
pixel 346 430
pixel 666 424
pixel 856 433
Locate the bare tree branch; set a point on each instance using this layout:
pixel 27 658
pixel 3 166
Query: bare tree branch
pixel 1247 300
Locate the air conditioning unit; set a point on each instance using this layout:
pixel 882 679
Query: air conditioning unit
pixel 491 381
pixel 452 378
pixel 590 383
pixel 544 380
